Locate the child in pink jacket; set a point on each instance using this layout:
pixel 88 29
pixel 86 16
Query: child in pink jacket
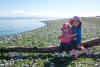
pixel 66 42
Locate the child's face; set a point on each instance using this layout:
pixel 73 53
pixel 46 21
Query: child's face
pixel 66 29
pixel 76 23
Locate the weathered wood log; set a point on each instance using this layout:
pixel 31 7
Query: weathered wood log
pixel 49 49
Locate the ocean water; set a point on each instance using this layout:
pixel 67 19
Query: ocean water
pixel 10 26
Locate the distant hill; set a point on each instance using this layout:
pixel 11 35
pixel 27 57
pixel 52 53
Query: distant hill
pixel 97 16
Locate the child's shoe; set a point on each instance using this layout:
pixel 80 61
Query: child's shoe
pixel 68 55
pixel 59 54
pixel 88 53
pixel 75 58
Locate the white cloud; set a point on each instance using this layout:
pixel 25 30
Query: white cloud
pixel 36 13
pixel 22 13
pixel 18 12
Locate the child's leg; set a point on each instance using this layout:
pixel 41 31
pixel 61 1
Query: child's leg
pixel 61 49
pixel 67 50
pixel 75 53
pixel 69 47
pixel 75 46
pixel 85 50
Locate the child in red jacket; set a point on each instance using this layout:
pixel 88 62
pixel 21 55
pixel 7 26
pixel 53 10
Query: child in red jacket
pixel 66 42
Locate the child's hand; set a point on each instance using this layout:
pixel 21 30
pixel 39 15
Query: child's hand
pixel 74 38
pixel 60 39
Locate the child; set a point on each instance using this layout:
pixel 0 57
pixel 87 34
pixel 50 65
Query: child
pixel 66 44
pixel 76 27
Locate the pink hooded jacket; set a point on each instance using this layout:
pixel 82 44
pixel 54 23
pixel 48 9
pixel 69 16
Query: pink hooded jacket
pixel 62 37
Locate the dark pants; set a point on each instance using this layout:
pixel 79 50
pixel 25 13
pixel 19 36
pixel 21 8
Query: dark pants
pixel 76 45
pixel 65 47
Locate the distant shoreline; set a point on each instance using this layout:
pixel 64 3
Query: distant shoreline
pixel 10 37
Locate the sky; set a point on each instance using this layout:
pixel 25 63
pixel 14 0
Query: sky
pixel 49 8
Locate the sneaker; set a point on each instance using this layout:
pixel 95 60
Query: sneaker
pixel 68 55
pixel 75 58
pixel 59 54
pixel 87 52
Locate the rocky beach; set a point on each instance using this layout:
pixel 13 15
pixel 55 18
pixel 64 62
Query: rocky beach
pixel 48 36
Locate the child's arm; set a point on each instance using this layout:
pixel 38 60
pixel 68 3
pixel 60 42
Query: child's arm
pixel 68 35
pixel 60 37
pixel 74 38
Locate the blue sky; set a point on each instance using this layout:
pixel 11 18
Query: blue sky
pixel 49 8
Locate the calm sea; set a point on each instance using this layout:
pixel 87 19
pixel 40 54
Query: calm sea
pixel 10 26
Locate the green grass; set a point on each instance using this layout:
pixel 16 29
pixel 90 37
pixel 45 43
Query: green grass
pixel 48 36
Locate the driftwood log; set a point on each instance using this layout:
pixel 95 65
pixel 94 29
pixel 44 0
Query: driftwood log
pixel 49 49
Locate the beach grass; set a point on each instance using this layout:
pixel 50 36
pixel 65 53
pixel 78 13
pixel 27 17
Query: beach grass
pixel 48 36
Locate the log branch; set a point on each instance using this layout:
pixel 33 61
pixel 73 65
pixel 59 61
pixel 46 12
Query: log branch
pixel 49 49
